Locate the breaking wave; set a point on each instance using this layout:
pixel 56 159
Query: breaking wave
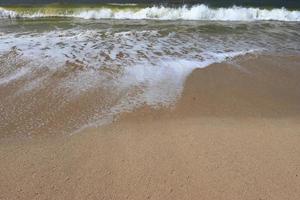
pixel 197 12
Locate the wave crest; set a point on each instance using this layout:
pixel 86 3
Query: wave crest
pixel 198 12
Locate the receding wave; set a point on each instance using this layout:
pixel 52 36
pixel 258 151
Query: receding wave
pixel 58 76
pixel 197 12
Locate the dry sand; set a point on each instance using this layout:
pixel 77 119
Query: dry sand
pixel 234 134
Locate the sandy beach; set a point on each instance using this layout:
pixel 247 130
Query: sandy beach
pixel 233 134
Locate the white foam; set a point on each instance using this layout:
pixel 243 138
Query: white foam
pixel 200 12
pixel 14 76
pixel 89 60
pixel 4 13
pixel 197 12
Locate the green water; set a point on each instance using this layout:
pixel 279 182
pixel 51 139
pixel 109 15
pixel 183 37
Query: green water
pixel 68 9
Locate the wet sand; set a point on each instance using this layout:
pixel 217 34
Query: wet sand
pixel 234 134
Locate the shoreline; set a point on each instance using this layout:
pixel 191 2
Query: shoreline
pixel 233 134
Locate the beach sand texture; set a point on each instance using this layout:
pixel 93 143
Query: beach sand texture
pixel 233 134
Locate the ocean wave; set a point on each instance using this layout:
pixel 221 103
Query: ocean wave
pixel 197 12
pixel 4 13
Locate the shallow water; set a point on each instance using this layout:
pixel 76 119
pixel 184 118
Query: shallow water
pixel 60 74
